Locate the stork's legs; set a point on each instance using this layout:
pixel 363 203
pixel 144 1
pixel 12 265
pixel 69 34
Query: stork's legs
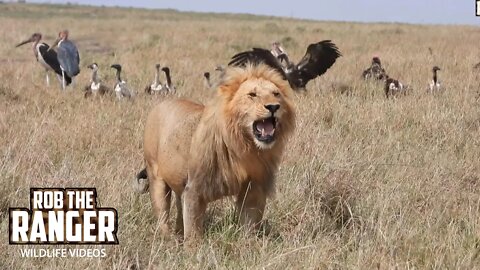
pixel 63 80
pixel 48 79
pixel 59 78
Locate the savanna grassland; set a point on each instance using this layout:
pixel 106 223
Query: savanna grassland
pixel 365 182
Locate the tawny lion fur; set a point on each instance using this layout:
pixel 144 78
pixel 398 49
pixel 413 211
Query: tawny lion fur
pixel 204 153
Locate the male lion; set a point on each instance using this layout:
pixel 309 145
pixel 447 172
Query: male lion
pixel 232 146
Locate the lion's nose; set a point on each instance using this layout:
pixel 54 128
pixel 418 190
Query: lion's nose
pixel 272 107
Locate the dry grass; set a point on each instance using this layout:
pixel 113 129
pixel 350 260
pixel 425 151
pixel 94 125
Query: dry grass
pixel 366 182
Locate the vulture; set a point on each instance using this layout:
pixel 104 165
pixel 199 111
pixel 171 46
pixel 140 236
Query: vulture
pixel 169 86
pixel 393 87
pixel 121 88
pixel 96 86
pixel 156 87
pixel 435 83
pixel 375 71
pixel 318 58
pixel 279 52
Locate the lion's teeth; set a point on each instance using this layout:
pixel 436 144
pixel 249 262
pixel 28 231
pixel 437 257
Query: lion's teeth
pixel 269 133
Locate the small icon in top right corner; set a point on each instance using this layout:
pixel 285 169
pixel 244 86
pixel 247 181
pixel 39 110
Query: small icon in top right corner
pixel 477 8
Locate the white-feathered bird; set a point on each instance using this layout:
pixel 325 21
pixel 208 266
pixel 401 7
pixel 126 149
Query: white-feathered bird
pixel 156 87
pixel 435 83
pixel 96 86
pixel 393 87
pixel 121 88
pixel 169 86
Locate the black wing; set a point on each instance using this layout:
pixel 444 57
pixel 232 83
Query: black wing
pixel 317 60
pixel 50 58
pixel 257 56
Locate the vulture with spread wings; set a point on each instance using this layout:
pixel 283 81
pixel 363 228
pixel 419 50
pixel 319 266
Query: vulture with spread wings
pixel 317 60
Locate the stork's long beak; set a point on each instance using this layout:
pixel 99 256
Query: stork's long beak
pixel 54 44
pixel 24 42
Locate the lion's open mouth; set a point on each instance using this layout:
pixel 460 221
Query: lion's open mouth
pixel 264 129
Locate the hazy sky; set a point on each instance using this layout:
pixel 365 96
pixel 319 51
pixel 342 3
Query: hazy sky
pixel 409 11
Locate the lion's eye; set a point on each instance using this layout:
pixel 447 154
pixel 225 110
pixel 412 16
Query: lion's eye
pixel 252 94
pixel 276 94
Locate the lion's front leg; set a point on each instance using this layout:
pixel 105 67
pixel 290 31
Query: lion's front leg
pixel 194 207
pixel 250 204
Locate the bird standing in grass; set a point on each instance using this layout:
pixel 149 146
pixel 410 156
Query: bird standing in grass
pixel 393 87
pixel 435 83
pixel 46 57
pixel 67 55
pixel 121 88
pixel 375 71
pixel 96 86
pixel 156 87
pixel 169 85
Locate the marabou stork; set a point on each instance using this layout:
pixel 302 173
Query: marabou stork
pixel 96 86
pixel 435 83
pixel 375 71
pixel 67 55
pixel 318 58
pixel 121 87
pixel 47 58
pixel 156 87
pixel 169 86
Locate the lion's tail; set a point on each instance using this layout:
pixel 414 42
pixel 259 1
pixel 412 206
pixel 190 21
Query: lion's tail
pixel 140 183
